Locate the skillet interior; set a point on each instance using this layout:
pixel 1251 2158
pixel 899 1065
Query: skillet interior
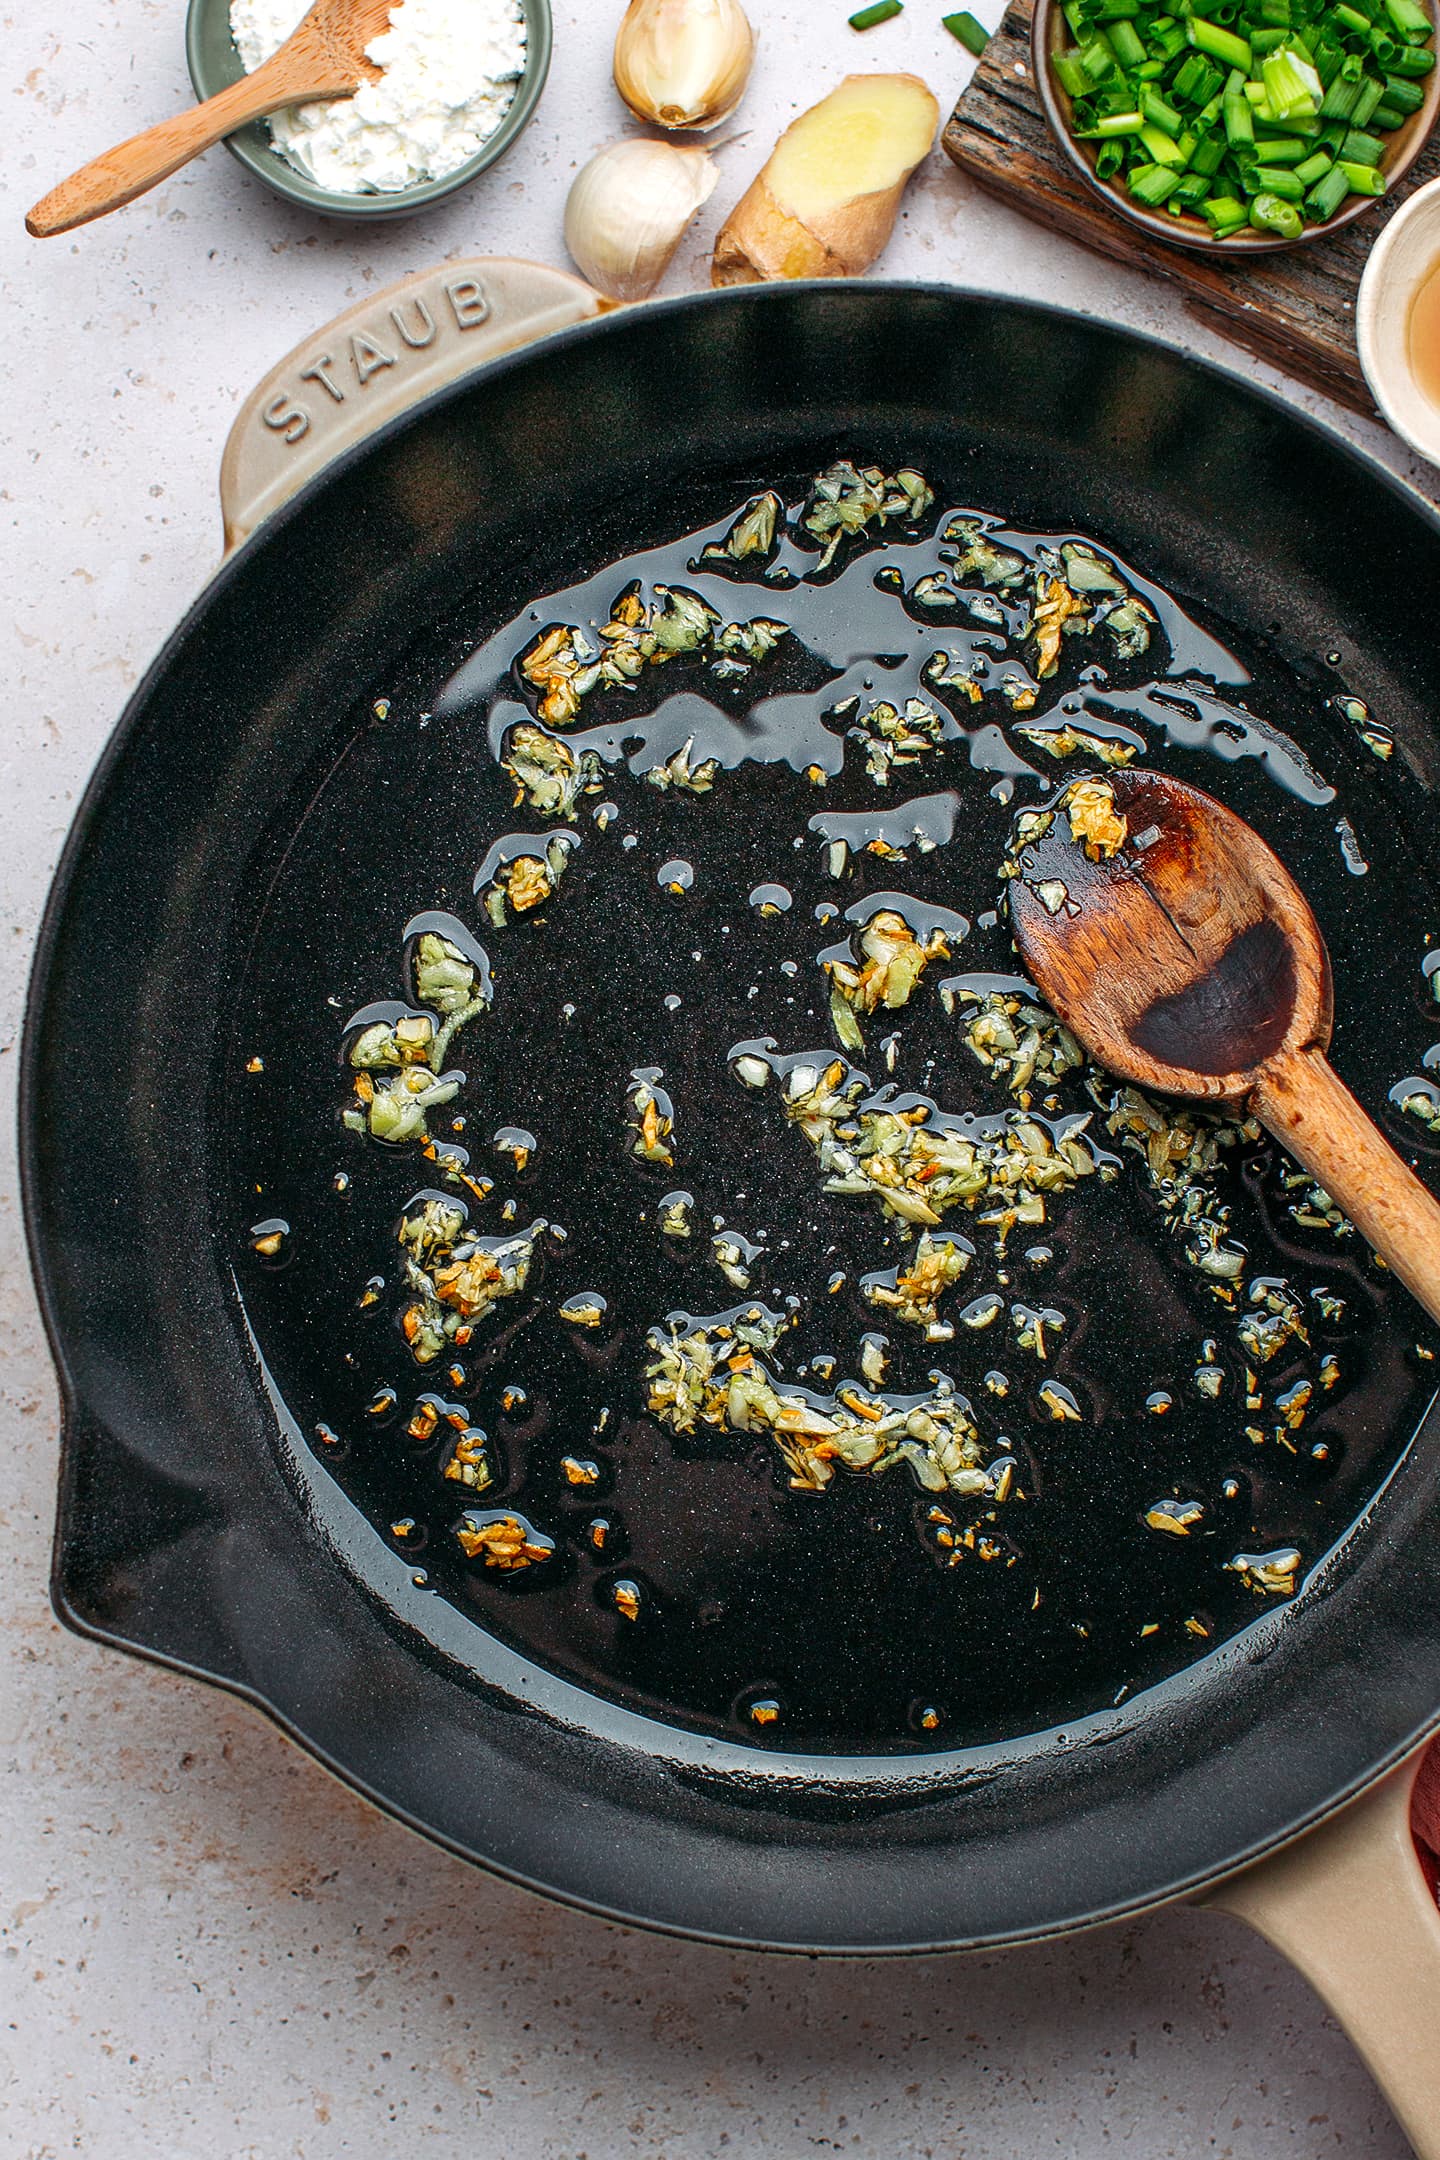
pixel 179 1526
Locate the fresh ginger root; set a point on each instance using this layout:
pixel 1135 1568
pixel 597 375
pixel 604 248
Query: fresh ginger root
pixel 824 203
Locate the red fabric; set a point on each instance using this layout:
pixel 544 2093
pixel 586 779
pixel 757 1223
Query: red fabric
pixel 1425 1815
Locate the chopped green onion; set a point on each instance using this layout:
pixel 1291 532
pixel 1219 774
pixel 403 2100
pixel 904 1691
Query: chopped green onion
pixel 1369 97
pixel 1208 156
pixel 1163 150
pixel 1292 87
pixel 1389 117
pixel 1263 42
pixel 1225 210
pixel 1281 150
pixel 1125 44
pixel 1274 180
pixel 1125 123
pixel 1338 102
pixel 1363 179
pixel 1070 75
pixel 1361 149
pixel 1325 198
pixel 1411 21
pixel 1413 60
pixel 1196 81
pixel 879 11
pixel 1314 168
pixel 1159 114
pixel 1403 96
pixel 1209 37
pixel 972 34
pixel 1269 214
pixel 1152 184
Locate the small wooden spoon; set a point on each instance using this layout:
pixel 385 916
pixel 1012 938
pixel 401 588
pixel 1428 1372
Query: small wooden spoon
pixel 1189 961
pixel 323 58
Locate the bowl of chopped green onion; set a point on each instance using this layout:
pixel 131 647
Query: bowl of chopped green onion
pixel 1255 124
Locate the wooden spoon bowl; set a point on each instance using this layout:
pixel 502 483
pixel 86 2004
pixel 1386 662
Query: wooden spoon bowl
pixel 1186 959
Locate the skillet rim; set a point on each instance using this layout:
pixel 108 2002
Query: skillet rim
pixel 74 1417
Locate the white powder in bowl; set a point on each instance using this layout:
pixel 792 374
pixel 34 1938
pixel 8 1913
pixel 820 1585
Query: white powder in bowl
pixel 449 71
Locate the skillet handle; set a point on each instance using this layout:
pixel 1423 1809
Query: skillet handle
pixel 375 361
pixel 1352 1909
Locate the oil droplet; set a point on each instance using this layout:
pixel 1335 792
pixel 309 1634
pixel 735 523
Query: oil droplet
pixel 926 1717
pixel 1176 1518
pixel 587 1308
pixel 513 1400
pixel 371 1294
pixel 268 1237
pixel 503 1538
pixel 627 1598
pixel 382 1402
pixel 675 877
pixel 515 1140
pixel 255 1065
pixel 1159 1402
pixel 598 1531
pixel 672 1003
pixel 342 1181
pixel 772 900
pixel 327 1436
pixel 1355 862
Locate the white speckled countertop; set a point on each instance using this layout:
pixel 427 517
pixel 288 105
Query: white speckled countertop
pixel 209 1949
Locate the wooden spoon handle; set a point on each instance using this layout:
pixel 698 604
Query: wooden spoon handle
pixel 133 167
pixel 1309 1109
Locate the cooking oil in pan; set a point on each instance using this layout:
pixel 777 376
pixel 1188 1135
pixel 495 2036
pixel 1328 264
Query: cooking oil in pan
pixel 1117 1457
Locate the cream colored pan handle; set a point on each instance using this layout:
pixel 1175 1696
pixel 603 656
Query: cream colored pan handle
pixel 1350 1906
pixel 380 357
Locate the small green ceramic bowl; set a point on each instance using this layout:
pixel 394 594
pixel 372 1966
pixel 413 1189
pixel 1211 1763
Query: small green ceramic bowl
pixel 215 64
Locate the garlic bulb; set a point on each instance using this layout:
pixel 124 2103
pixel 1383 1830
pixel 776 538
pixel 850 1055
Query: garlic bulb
pixel 628 209
pixel 683 63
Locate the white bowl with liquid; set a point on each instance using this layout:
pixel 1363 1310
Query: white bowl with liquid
pixel 1403 263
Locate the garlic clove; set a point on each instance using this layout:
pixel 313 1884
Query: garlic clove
pixel 683 63
pixel 629 208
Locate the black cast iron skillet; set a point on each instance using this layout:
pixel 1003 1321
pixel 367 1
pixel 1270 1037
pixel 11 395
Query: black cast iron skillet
pixel 196 1527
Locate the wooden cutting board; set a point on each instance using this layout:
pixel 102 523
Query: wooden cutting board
pixel 1295 309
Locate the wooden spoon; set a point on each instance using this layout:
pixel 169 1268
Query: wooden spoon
pixel 323 58
pixel 1189 961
